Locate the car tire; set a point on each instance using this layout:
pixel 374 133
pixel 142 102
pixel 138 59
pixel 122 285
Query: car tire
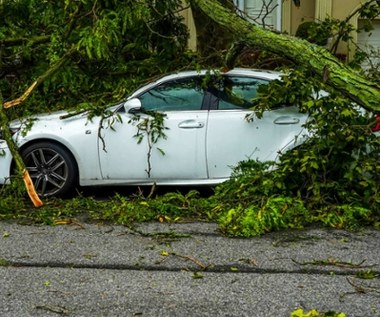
pixel 51 167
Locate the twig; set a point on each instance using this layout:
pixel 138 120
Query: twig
pixel 189 258
pixel 359 289
pixel 54 309
pixel 333 262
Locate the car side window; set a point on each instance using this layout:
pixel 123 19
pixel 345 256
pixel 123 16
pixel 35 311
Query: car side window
pixel 238 92
pixel 177 95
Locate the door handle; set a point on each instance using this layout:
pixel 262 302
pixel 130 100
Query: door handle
pixel 286 120
pixel 191 124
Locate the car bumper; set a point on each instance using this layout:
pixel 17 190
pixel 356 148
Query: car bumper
pixel 5 162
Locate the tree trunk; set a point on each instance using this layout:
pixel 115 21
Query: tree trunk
pixel 318 59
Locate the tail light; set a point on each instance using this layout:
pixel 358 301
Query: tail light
pixel 376 128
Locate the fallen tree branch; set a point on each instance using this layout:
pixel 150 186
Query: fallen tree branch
pixel 52 70
pixel 20 99
pixel 8 137
pixel 23 40
pixel 341 77
pixel 17 157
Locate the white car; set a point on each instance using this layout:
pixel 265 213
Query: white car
pixel 206 135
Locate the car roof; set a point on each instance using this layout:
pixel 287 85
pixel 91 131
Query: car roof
pixel 260 73
pixel 257 73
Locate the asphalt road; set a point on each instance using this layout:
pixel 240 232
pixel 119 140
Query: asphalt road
pixel 186 269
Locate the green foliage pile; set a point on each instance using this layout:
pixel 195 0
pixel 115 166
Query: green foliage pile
pixel 332 178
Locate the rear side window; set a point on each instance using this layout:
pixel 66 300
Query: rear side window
pixel 177 95
pixel 238 92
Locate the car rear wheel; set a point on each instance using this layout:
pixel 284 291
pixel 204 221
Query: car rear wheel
pixel 51 167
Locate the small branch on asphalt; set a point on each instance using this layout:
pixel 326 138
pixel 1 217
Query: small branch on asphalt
pixel 54 309
pixel 334 262
pixel 360 289
pixel 166 254
pixel 162 236
pixel 191 259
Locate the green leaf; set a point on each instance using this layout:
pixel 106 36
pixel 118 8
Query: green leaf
pixel 197 275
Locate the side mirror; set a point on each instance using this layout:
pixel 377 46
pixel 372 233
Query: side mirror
pixel 132 105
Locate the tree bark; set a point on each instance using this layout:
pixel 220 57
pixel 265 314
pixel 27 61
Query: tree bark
pixel 341 77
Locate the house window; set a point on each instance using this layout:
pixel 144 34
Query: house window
pixel 266 13
pixel 369 42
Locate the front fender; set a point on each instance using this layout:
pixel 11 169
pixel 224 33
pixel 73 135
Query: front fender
pixel 82 145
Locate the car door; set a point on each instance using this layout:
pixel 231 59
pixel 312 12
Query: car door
pixel 177 155
pixel 231 138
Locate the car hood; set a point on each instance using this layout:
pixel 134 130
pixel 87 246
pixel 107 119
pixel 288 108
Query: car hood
pixel 58 117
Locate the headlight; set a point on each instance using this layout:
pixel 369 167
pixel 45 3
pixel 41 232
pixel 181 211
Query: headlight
pixel 12 131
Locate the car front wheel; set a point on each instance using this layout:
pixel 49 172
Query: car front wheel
pixel 51 168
